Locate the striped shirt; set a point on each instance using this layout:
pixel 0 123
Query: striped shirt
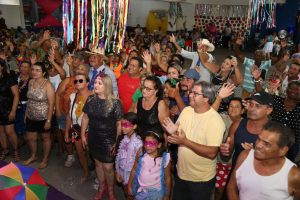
pixel 248 83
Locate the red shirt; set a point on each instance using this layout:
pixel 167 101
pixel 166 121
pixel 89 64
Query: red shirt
pixel 127 86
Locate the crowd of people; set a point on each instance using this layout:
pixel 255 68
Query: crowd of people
pixel 142 116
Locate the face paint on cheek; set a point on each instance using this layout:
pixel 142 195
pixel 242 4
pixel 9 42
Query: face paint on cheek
pixel 151 144
pixel 126 125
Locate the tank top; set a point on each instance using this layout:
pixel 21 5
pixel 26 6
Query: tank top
pixel 65 96
pixel 270 39
pixel 148 119
pixel 37 103
pixel 254 186
pixel 242 135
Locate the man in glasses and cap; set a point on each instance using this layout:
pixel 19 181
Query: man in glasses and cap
pixel 249 84
pixel 292 71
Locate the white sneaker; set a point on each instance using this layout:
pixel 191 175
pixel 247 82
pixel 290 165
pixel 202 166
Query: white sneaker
pixel 69 161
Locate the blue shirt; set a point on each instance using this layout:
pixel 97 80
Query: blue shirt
pixel 248 83
pixel 110 73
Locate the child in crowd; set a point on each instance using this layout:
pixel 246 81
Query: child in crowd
pixel 130 143
pixel 151 172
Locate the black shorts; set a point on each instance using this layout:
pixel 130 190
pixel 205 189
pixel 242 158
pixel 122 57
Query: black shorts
pixel 36 126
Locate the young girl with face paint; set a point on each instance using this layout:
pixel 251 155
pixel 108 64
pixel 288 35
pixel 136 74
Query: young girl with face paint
pixel 128 148
pixel 151 173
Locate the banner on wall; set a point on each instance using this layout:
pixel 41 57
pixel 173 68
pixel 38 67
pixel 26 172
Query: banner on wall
pixel 154 22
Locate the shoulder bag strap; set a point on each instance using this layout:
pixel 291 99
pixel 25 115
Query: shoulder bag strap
pixel 73 108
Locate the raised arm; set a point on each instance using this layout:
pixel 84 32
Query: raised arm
pixel 162 66
pixel 174 93
pixel 59 91
pixel 60 70
pixel 39 43
pixel 147 58
pixel 238 54
pixel 173 40
pixel 227 148
pixel 226 91
pixel 282 50
pixel 256 75
pixel 57 55
pixel 237 77
pixel 280 65
pixel 204 60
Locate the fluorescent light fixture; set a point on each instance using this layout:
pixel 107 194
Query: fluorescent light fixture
pixel 10 2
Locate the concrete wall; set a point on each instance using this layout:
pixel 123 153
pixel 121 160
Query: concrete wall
pixel 139 10
pixel 13 15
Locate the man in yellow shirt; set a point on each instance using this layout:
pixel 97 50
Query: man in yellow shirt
pixel 198 132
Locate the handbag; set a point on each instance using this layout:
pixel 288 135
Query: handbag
pixel 75 131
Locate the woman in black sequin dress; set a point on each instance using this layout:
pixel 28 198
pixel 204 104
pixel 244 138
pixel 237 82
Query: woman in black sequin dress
pixel 102 116
pixel 9 98
pixel 151 109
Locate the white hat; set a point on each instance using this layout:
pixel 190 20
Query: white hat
pixel 97 51
pixel 211 47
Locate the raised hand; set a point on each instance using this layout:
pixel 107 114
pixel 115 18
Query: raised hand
pixel 199 44
pixel 11 47
pixel 147 56
pixel 255 72
pixel 226 90
pixel 172 39
pixel 234 62
pixel 54 44
pixel 46 35
pixel 239 41
pixel 174 92
pixel 51 56
pixel 286 57
pixel 69 59
pixel 3 56
pixel 177 139
pixel 170 126
pixel 33 59
pixel 283 43
pixel 197 68
pixel 224 148
pixel 246 104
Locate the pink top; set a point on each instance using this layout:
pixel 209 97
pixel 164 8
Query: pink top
pixel 213 30
pixel 149 176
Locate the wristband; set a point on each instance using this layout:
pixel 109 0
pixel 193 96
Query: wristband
pixel 199 50
pixel 256 81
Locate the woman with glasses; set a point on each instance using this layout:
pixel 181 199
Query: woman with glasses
pixel 74 117
pixel 40 105
pixel 9 98
pixel 151 109
pixel 286 110
pixel 103 112
pixel 228 72
pixel 62 98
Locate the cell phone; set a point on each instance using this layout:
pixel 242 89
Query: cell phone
pixel 263 74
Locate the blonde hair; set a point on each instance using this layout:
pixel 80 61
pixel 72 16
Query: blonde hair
pixel 144 75
pixel 109 95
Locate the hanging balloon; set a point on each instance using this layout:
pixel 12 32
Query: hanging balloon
pixel 282 34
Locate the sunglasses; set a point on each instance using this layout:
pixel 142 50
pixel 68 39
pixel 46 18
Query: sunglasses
pixel 80 81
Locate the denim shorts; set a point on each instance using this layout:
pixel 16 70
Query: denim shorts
pixel 62 123
pixel 150 194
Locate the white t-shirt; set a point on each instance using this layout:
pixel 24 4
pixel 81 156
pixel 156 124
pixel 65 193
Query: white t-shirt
pixel 55 80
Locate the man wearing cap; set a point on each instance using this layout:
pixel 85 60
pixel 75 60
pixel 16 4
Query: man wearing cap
pixel 265 172
pixel 292 70
pixel 73 61
pixel 249 84
pixel 204 73
pixel 129 82
pixel 182 98
pixel 96 59
pixel 198 132
pixel 243 133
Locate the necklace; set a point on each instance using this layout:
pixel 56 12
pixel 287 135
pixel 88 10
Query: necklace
pixel 24 83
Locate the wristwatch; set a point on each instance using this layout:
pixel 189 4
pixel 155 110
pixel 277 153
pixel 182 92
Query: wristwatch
pixel 48 120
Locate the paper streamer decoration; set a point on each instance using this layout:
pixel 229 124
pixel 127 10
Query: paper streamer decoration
pixel 109 21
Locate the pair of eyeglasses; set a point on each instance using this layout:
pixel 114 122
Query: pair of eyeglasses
pixel 80 81
pixel 195 93
pixel 147 89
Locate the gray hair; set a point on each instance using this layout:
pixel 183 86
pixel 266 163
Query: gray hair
pixel 87 67
pixel 258 50
pixel 208 90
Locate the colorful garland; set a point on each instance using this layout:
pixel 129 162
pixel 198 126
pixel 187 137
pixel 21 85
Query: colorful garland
pixel 109 21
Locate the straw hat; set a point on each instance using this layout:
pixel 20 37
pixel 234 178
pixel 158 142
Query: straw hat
pixel 211 47
pixel 98 51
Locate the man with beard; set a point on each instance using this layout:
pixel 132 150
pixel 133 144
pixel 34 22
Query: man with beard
pixel 265 173
pixel 292 71
pixel 182 98
pixel 243 133
pixel 249 85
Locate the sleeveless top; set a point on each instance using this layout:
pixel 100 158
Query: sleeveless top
pixel 37 103
pixel 65 96
pixel 270 39
pixel 75 119
pixel 148 119
pixel 217 80
pixel 254 186
pixel 242 135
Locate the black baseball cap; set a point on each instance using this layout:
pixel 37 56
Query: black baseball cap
pixel 262 98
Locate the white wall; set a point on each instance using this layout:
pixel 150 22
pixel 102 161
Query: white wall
pixel 13 15
pixel 10 2
pixel 139 10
